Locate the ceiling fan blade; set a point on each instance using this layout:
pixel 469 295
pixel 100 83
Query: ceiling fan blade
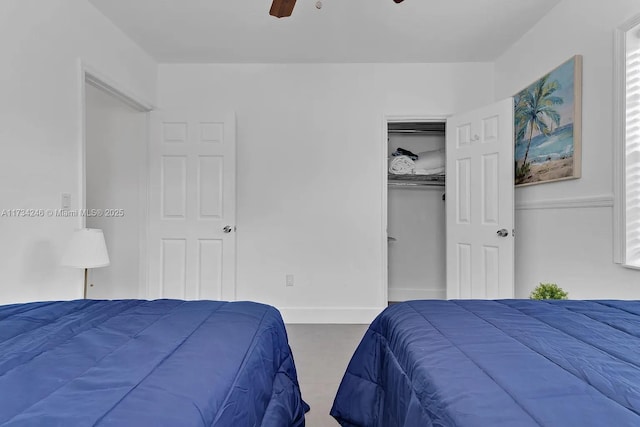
pixel 282 8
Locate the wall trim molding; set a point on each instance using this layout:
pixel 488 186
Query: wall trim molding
pixel 602 201
pixel 326 315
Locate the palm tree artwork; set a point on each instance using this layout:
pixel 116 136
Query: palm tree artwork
pixel 544 126
pixel 534 109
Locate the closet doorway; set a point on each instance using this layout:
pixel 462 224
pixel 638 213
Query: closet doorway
pixel 416 220
pixel 475 241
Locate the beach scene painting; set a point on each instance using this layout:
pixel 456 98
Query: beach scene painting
pixel 547 119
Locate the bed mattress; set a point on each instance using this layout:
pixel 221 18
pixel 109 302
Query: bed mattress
pixel 146 363
pixel 496 363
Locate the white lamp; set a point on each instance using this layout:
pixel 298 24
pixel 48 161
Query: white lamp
pixel 86 249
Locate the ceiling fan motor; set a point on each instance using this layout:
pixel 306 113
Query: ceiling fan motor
pixel 284 8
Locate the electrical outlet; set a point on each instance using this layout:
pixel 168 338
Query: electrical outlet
pixel 65 201
pixel 289 279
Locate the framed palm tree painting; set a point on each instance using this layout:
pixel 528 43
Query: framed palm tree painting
pixel 548 126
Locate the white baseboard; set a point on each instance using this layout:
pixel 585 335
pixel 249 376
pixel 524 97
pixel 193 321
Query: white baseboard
pixel 343 315
pixel 406 294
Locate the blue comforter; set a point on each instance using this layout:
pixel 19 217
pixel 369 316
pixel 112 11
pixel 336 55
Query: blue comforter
pixel 146 363
pixel 496 363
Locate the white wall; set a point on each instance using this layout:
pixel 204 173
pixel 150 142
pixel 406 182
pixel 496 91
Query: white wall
pixel 41 42
pixel 115 150
pixel 310 169
pixel 564 229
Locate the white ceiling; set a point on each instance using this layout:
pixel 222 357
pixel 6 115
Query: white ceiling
pixel 342 31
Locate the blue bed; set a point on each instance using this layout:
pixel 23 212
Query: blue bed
pixel 496 363
pixel 146 363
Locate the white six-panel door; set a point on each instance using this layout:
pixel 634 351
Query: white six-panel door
pixel 192 244
pixel 479 203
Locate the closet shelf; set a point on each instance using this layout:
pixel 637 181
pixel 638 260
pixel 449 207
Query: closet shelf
pixel 417 128
pixel 416 180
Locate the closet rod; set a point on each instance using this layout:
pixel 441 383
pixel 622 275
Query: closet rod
pixel 416 184
pixel 416 132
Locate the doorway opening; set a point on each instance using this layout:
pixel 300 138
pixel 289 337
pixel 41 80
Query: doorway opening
pixel 114 185
pixel 416 232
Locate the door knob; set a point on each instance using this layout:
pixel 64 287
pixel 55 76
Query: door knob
pixel 502 232
pixel 227 229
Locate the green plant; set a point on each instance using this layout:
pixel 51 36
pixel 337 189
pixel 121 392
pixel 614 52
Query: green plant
pixel 548 291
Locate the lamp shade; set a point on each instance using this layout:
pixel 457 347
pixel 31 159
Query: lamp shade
pixel 86 249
